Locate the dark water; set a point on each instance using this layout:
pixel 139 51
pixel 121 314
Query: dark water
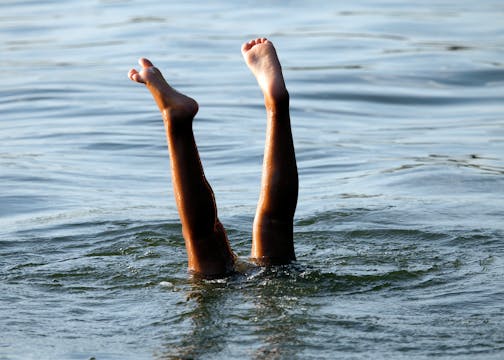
pixel 398 120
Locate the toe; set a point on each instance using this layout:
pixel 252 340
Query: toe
pixel 145 63
pixel 138 78
pixel 135 76
pixel 249 45
pixel 131 73
pixel 246 47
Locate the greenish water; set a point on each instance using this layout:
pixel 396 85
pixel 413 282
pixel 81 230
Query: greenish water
pixel 397 113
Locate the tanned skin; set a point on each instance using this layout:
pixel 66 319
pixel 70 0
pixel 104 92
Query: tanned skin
pixel 208 250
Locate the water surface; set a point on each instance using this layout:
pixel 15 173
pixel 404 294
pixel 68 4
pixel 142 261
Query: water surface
pixel 397 113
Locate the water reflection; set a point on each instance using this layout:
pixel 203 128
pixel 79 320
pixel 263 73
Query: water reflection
pixel 276 309
pixel 257 315
pixel 208 326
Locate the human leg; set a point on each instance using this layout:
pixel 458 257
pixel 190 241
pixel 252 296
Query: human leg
pixel 208 249
pixel 272 241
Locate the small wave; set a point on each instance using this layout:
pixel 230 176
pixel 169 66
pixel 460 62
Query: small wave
pixel 392 98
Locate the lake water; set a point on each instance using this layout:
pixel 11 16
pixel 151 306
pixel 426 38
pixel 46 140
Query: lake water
pixel 398 121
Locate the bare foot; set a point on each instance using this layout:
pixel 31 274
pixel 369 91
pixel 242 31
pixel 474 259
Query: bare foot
pixel 172 104
pixel 261 58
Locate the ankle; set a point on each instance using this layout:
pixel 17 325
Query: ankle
pixel 278 103
pixel 174 122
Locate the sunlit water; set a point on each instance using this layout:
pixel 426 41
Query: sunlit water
pixel 398 120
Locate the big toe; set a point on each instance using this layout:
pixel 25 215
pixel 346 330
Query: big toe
pixel 249 45
pixel 145 63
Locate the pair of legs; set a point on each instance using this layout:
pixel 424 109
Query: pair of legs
pixel 208 250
